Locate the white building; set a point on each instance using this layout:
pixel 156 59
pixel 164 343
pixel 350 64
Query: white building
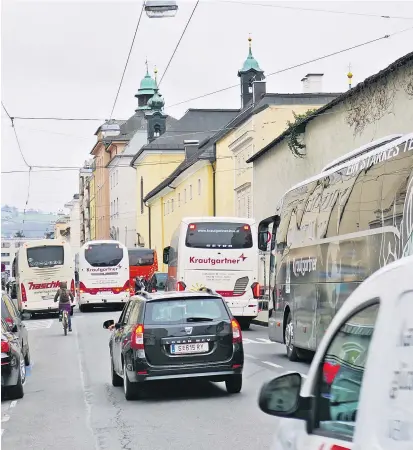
pixel 123 199
pixel 73 223
pixel 9 248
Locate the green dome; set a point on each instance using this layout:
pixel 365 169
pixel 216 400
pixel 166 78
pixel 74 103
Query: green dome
pixel 147 86
pixel 250 63
pixel 156 102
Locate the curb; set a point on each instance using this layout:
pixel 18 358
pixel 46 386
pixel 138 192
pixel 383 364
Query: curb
pixel 260 322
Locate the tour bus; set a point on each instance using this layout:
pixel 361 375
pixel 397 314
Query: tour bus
pixel 332 231
pixel 39 267
pixel 103 274
pixel 143 262
pixel 219 253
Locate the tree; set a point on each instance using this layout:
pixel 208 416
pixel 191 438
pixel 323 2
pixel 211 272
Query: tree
pixel 19 234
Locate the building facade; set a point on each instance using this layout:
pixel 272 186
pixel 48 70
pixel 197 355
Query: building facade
pixel 379 106
pixel 85 175
pixel 9 248
pixel 92 204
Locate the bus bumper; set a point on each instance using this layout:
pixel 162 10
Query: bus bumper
pixel 85 299
pixel 250 310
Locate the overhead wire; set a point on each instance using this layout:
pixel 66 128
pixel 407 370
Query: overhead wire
pixel 180 39
pixel 127 59
pixel 330 11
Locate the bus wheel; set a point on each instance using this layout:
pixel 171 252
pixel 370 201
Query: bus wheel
pixel 292 351
pixel 82 308
pixel 244 323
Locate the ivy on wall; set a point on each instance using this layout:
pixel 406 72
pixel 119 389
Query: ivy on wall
pixel 295 129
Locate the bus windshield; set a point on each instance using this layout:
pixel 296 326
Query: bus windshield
pixel 141 257
pixel 218 235
pixel 103 255
pixel 45 256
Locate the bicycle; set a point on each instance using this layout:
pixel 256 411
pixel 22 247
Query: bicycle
pixel 65 321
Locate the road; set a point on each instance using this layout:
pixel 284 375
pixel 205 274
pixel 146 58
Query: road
pixel 69 401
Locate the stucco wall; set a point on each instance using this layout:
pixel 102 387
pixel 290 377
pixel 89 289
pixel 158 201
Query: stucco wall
pixel 328 137
pixel 153 168
pixel 165 220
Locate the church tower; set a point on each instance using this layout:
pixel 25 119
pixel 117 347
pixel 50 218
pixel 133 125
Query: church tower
pixel 146 91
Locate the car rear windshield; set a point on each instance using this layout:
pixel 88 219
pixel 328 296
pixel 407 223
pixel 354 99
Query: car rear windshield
pixel 141 257
pixel 218 235
pixel 103 255
pixel 46 256
pixel 185 310
pixel 161 280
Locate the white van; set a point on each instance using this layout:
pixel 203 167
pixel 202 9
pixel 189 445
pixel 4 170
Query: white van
pixel 359 391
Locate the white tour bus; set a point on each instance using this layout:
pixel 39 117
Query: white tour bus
pixel 39 267
pixel 332 231
pixel 219 253
pixel 103 274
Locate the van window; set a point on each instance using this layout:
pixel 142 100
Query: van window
pixel 341 375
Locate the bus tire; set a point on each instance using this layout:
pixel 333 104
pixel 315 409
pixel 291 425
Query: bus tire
pixel 82 308
pixel 292 351
pixel 244 323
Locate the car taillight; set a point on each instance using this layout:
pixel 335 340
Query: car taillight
pixel 23 291
pixel 137 338
pixel 9 320
pixel 72 286
pixel 236 332
pixel 5 347
pixel 255 290
pixel 180 286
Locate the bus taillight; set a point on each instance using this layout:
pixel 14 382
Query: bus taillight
pixel 82 288
pixel 180 286
pixel 72 286
pixel 23 291
pixel 255 290
pixel 192 226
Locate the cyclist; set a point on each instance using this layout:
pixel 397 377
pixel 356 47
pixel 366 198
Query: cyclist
pixel 65 298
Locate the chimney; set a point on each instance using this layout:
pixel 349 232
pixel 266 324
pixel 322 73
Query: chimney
pixel 313 83
pixel 191 147
pixel 259 89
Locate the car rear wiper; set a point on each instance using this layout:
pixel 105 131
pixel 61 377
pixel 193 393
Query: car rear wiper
pixel 199 319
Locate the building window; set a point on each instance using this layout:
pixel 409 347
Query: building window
pixel 117 233
pixel 184 195
pixel 5 254
pixel 5 245
pixel 157 131
pixel 179 199
pixel 172 205
pixel 117 177
pixel 141 195
pixel 117 206
pixel 199 186
pixel 190 192
pixel 6 263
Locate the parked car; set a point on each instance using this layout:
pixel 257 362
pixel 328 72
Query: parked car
pixel 13 369
pixel 157 282
pixel 358 391
pixel 175 335
pixel 13 317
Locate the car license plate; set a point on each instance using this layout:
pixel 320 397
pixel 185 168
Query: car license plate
pixel 182 349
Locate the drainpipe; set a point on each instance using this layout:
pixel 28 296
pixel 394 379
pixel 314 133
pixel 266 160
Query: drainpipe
pixel 214 197
pixel 149 225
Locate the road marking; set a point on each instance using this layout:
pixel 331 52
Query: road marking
pixel 266 341
pixel 13 403
pixel 34 325
pixel 272 364
pixel 250 356
pixel 5 418
pixel 257 341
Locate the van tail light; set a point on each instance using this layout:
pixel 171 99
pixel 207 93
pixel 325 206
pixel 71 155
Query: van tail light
pixel 9 320
pixel 255 287
pixel 23 292
pixel 339 447
pixel 72 286
pixel 236 332
pixel 180 286
pixel 5 347
pixel 137 338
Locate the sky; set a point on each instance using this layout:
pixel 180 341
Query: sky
pixel 65 59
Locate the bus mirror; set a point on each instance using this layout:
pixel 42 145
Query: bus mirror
pixel 166 255
pixel 263 238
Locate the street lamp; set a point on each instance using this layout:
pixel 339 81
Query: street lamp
pixel 156 9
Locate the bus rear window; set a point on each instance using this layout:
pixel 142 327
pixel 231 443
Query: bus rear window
pixel 46 256
pixel 218 235
pixel 103 255
pixel 141 257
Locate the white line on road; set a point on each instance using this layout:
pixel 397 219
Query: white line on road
pixel 250 356
pixel 13 403
pixel 5 418
pixel 267 341
pixel 272 364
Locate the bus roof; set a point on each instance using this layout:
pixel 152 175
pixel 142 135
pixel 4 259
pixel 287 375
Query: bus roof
pixel 43 242
pixel 350 162
pixel 188 220
pixel 102 241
